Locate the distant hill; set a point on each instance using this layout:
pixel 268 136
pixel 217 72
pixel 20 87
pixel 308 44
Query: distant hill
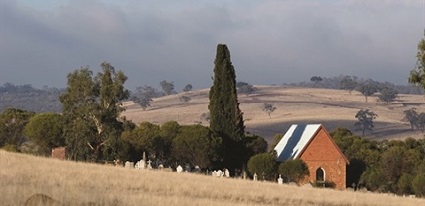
pixel 333 108
pixel 28 98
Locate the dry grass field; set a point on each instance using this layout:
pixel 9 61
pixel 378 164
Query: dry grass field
pixel 73 183
pixel 333 108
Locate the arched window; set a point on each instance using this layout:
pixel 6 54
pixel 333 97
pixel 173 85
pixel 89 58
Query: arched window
pixel 320 175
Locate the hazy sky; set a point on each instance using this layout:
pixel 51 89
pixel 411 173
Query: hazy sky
pixel 270 41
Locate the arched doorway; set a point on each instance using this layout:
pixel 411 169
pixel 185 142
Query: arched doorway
pixel 320 175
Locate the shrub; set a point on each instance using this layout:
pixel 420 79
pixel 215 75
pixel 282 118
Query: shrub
pixel 263 164
pixel 418 185
pixel 293 170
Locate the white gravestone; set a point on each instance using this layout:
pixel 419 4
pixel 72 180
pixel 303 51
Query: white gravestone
pixel 129 165
pixel 280 180
pixel 149 164
pixel 255 176
pixel 220 173
pixel 179 169
pixel 226 173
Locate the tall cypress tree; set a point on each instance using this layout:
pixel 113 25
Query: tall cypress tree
pixel 226 118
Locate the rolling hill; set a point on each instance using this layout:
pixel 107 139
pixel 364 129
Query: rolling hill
pixel 333 108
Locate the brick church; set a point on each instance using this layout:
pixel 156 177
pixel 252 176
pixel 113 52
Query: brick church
pixel 313 144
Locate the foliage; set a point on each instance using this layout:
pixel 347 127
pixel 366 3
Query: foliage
pixel 365 120
pixel 418 185
pixel 205 116
pixel 146 138
pixel 404 184
pixel 188 88
pixel 143 96
pixel 46 130
pixel 91 106
pixel 348 83
pixel 226 119
pixel 195 144
pixel 12 124
pixel 245 88
pixel 25 97
pixel 387 94
pixel 185 99
pixel 316 79
pixel 269 108
pixel 167 87
pixel 293 170
pixel 385 166
pixel 264 165
pixel 253 144
pixel 417 75
pixel 412 117
pixel 367 89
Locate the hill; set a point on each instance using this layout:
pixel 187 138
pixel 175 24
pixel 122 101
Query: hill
pixel 75 183
pixel 333 108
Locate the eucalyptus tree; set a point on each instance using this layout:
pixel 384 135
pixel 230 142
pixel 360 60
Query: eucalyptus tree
pixel 91 108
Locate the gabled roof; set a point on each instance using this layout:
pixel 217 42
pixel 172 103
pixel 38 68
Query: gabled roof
pixel 295 140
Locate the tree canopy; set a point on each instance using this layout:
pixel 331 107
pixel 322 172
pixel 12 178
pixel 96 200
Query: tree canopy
pixel 91 107
pixel 226 119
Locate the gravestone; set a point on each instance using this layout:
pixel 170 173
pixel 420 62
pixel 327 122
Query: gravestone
pixel 214 173
pixel 149 165
pixel 244 175
pixel 187 168
pixel 179 169
pixel 197 169
pixel 129 165
pixel 161 167
pixel 226 173
pixel 255 177
pixel 219 173
pixel 280 180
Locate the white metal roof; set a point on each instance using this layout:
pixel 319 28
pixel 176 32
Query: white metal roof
pixel 294 140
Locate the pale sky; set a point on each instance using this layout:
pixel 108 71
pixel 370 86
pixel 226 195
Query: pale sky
pixel 270 41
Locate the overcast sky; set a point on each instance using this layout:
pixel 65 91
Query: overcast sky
pixel 270 41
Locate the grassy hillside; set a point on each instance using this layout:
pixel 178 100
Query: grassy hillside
pixel 333 108
pixel 73 183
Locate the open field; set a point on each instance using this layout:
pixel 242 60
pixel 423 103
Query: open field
pixel 74 183
pixel 333 108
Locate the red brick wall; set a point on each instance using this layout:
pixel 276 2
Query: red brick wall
pixel 59 153
pixel 323 153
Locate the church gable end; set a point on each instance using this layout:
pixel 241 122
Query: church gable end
pixel 325 161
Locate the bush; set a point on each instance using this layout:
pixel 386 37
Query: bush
pixel 418 185
pixel 263 164
pixel 293 170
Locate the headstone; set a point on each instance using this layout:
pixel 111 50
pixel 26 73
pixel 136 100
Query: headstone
pixel 140 165
pixel 161 167
pixel 214 173
pixel 219 173
pixel 280 180
pixel 129 165
pixel 187 168
pixel 226 173
pixel 149 164
pixel 179 169
pixel 59 153
pixel 197 169
pixel 255 177
pixel 244 175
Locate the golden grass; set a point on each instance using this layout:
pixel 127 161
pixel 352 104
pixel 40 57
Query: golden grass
pixel 333 108
pixel 74 183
